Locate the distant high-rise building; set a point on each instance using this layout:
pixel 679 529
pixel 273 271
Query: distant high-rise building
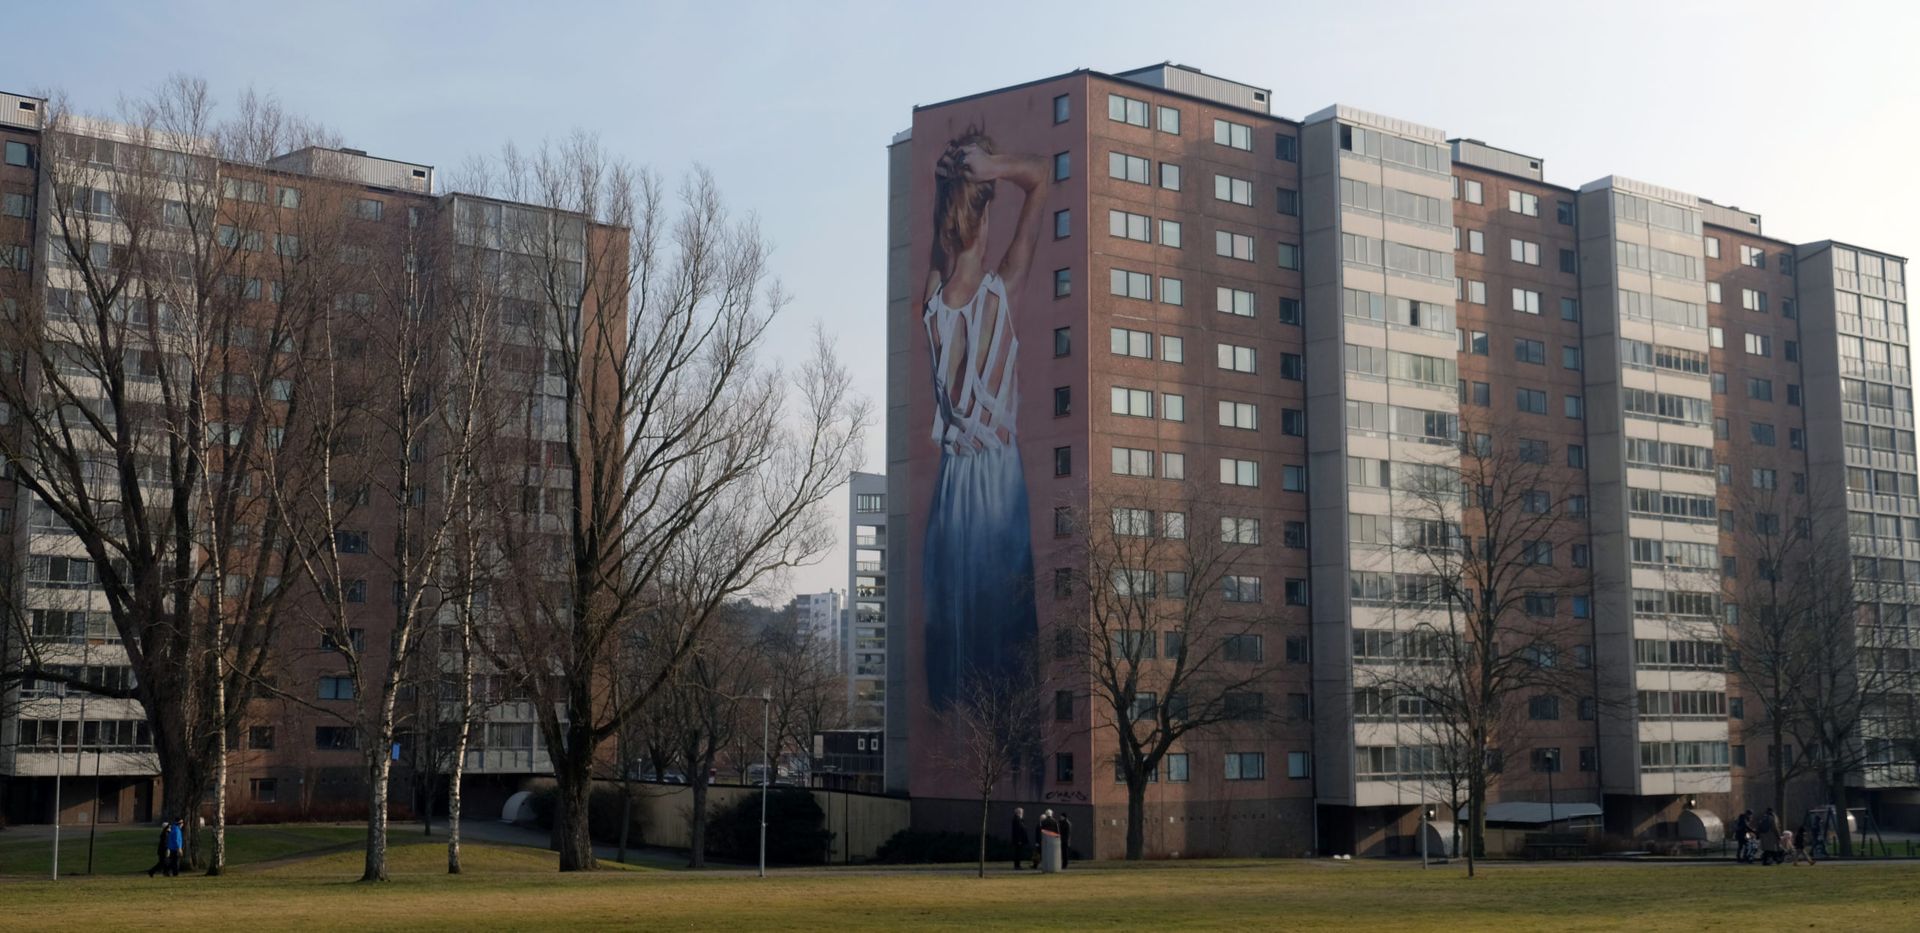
pixel 820 615
pixel 865 638
pixel 1385 301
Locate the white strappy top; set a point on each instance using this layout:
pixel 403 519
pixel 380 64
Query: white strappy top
pixel 980 414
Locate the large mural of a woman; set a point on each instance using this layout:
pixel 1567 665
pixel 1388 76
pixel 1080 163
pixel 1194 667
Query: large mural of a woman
pixel 978 554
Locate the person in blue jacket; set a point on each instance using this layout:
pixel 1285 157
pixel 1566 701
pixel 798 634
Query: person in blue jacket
pixel 176 847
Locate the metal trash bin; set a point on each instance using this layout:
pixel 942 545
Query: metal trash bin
pixel 1049 851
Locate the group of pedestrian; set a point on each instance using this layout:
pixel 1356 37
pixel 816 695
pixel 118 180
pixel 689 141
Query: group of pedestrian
pixel 1050 822
pixel 171 849
pixel 1769 842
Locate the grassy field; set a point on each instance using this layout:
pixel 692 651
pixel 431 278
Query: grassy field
pixel 517 888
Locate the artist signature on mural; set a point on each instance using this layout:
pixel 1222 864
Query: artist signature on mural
pixel 1073 795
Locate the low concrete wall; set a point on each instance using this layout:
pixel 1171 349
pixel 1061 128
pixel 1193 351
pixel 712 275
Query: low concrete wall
pixel 860 823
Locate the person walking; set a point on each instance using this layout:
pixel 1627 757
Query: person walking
pixel 162 848
pixel 1743 837
pixel 176 847
pixel 1802 848
pixel 1019 837
pixel 1066 838
pixel 1770 852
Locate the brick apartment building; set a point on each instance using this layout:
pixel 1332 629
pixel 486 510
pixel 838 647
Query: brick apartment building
pixel 294 756
pixel 1214 286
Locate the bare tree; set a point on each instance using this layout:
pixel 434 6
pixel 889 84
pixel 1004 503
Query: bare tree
pixel 667 431
pixel 1487 542
pixel 1818 630
pixel 1163 625
pixel 144 392
pixel 996 723
pixel 809 691
pixel 705 709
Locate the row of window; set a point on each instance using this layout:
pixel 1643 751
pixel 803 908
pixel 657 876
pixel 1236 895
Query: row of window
pixel 1237 766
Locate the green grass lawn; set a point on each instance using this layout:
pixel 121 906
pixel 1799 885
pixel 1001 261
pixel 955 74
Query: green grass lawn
pixel 124 851
pixel 517 888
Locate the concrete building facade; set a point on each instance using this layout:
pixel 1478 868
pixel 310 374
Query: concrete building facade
pixel 1394 299
pixel 295 754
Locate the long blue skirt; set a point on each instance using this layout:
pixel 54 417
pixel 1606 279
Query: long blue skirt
pixel 977 571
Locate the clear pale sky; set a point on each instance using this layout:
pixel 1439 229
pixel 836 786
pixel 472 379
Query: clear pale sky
pixel 1804 112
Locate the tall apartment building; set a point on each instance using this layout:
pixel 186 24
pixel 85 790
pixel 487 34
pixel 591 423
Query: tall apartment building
pixel 821 616
pixel 1365 299
pixel 863 648
pixel 289 758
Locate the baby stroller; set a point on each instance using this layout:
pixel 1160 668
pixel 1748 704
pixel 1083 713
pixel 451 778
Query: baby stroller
pixel 1749 849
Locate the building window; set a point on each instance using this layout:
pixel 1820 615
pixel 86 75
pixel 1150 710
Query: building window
pixel 1229 188
pixel 1063 705
pixel 1563 212
pixel 1296 591
pixel 1167 120
pixel 1520 202
pixel 1246 766
pixel 1062 341
pixel 334 738
pixel 1233 245
pixel 1129 226
pixel 1289 256
pixel 1293 422
pixel 1062 166
pixel 1063 767
pixel 1176 767
pixel 1173 292
pixel 1544 708
pixel 1297 649
pixel 1472 192
pixel 1289 310
pixel 1126 110
pixel 1286 148
pixel 1127 167
pixel 1239 472
pixel 336 688
pixel 1546 759
pixel 1062 400
pixel 1062 108
pixel 1170 234
pixel 1062 283
pixel 1526 301
pixel 1132 461
pixel 1298 767
pixel 1063 461
pixel 1292 366
pixel 1524 251
pixel 1293 478
pixel 260 737
pixel 1127 284
pixel 1569 261
pixel 1062 224
pixel 1287 201
pixel 263 790
pixel 19 154
pixel 1170 176
pixel 1575 407
pixel 1235 135
pixel 1531 401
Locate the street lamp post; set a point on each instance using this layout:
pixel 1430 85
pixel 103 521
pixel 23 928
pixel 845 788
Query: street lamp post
pixel 59 752
pixel 1553 764
pixel 1426 830
pixel 766 771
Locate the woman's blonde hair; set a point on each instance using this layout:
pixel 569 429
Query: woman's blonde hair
pixel 959 202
